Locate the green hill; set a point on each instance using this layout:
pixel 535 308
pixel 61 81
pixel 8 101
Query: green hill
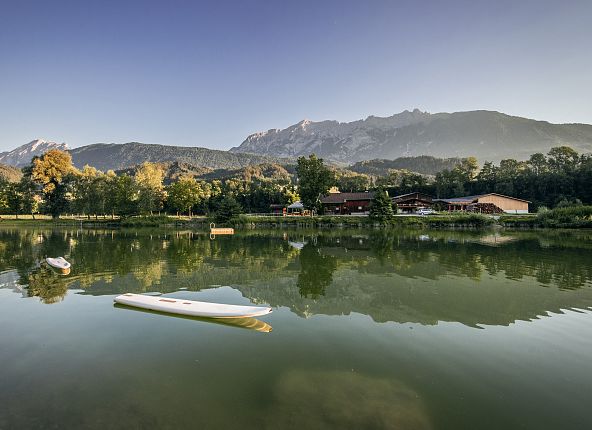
pixel 423 164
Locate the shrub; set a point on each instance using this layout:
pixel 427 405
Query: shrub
pixel 570 216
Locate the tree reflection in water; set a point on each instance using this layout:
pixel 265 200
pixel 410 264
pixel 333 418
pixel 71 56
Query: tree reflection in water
pixel 404 275
pixel 316 271
pixel 47 284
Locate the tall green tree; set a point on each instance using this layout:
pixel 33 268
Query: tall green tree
pixel 14 198
pixel 184 194
pixel 149 179
pixel 381 208
pixel 563 159
pixel 228 209
pixel 85 191
pixel 30 192
pixel 314 181
pixel 124 199
pixel 353 182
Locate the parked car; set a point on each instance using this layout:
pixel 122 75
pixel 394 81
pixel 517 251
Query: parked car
pixel 425 211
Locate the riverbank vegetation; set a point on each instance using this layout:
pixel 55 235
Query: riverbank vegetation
pixel 561 217
pixel 52 186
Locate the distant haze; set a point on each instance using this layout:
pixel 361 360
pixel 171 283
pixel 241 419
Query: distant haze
pixel 209 74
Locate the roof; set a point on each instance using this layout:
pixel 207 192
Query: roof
pixel 296 205
pixel 471 199
pixel 411 195
pixel 344 197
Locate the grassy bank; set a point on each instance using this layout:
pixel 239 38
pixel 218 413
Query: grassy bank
pixel 327 221
pixel 569 217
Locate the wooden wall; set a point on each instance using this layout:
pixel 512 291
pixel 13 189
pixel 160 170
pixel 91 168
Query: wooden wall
pixel 506 204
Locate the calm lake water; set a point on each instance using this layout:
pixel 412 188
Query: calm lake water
pixel 399 330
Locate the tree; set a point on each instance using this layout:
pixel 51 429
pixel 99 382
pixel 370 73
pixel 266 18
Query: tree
pixel 53 170
pixel 353 182
pixel 29 192
pixel 5 191
pixel 562 159
pixel 85 195
pixel 537 164
pixel 228 209
pixel 467 169
pixel 381 208
pixel 184 194
pixel 148 178
pixel 450 183
pixel 124 200
pixel 314 181
pixel 14 198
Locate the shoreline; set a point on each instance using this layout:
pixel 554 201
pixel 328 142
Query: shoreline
pixel 442 221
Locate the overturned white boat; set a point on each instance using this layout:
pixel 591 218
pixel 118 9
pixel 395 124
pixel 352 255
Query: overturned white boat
pixel 58 263
pixel 191 307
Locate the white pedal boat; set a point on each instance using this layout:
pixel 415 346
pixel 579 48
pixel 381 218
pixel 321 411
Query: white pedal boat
pixel 191 307
pixel 58 263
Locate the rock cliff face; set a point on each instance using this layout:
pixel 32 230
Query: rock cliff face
pixel 487 135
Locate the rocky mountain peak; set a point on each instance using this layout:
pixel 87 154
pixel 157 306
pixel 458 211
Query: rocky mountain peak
pixel 488 135
pixel 22 155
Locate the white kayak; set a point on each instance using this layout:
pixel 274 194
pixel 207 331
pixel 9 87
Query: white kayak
pixel 58 263
pixel 191 307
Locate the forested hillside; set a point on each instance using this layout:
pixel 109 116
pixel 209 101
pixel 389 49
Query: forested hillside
pixel 110 156
pixel 423 164
pixel 175 170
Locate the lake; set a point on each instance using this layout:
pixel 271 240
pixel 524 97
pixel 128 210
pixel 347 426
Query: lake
pixel 370 329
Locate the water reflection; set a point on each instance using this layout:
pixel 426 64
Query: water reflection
pixel 402 276
pixel 316 271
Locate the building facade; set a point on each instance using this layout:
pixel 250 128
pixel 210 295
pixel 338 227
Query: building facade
pixel 347 203
pixel 411 202
pixel 506 204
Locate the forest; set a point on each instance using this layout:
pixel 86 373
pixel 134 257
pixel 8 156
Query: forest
pixel 562 177
pixel 51 185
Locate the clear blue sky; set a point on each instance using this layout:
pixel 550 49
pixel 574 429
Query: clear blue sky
pixel 210 73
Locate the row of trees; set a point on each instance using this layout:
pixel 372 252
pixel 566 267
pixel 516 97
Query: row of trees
pixel 52 185
pixel 561 177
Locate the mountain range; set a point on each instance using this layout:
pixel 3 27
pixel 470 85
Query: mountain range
pixel 487 135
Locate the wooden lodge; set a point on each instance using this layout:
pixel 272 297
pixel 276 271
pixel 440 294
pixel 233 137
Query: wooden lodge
pixel 347 203
pixel 411 202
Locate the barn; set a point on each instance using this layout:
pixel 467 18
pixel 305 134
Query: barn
pixel 347 203
pixel 506 204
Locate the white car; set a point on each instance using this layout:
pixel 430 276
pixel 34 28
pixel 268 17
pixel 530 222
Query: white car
pixel 425 211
